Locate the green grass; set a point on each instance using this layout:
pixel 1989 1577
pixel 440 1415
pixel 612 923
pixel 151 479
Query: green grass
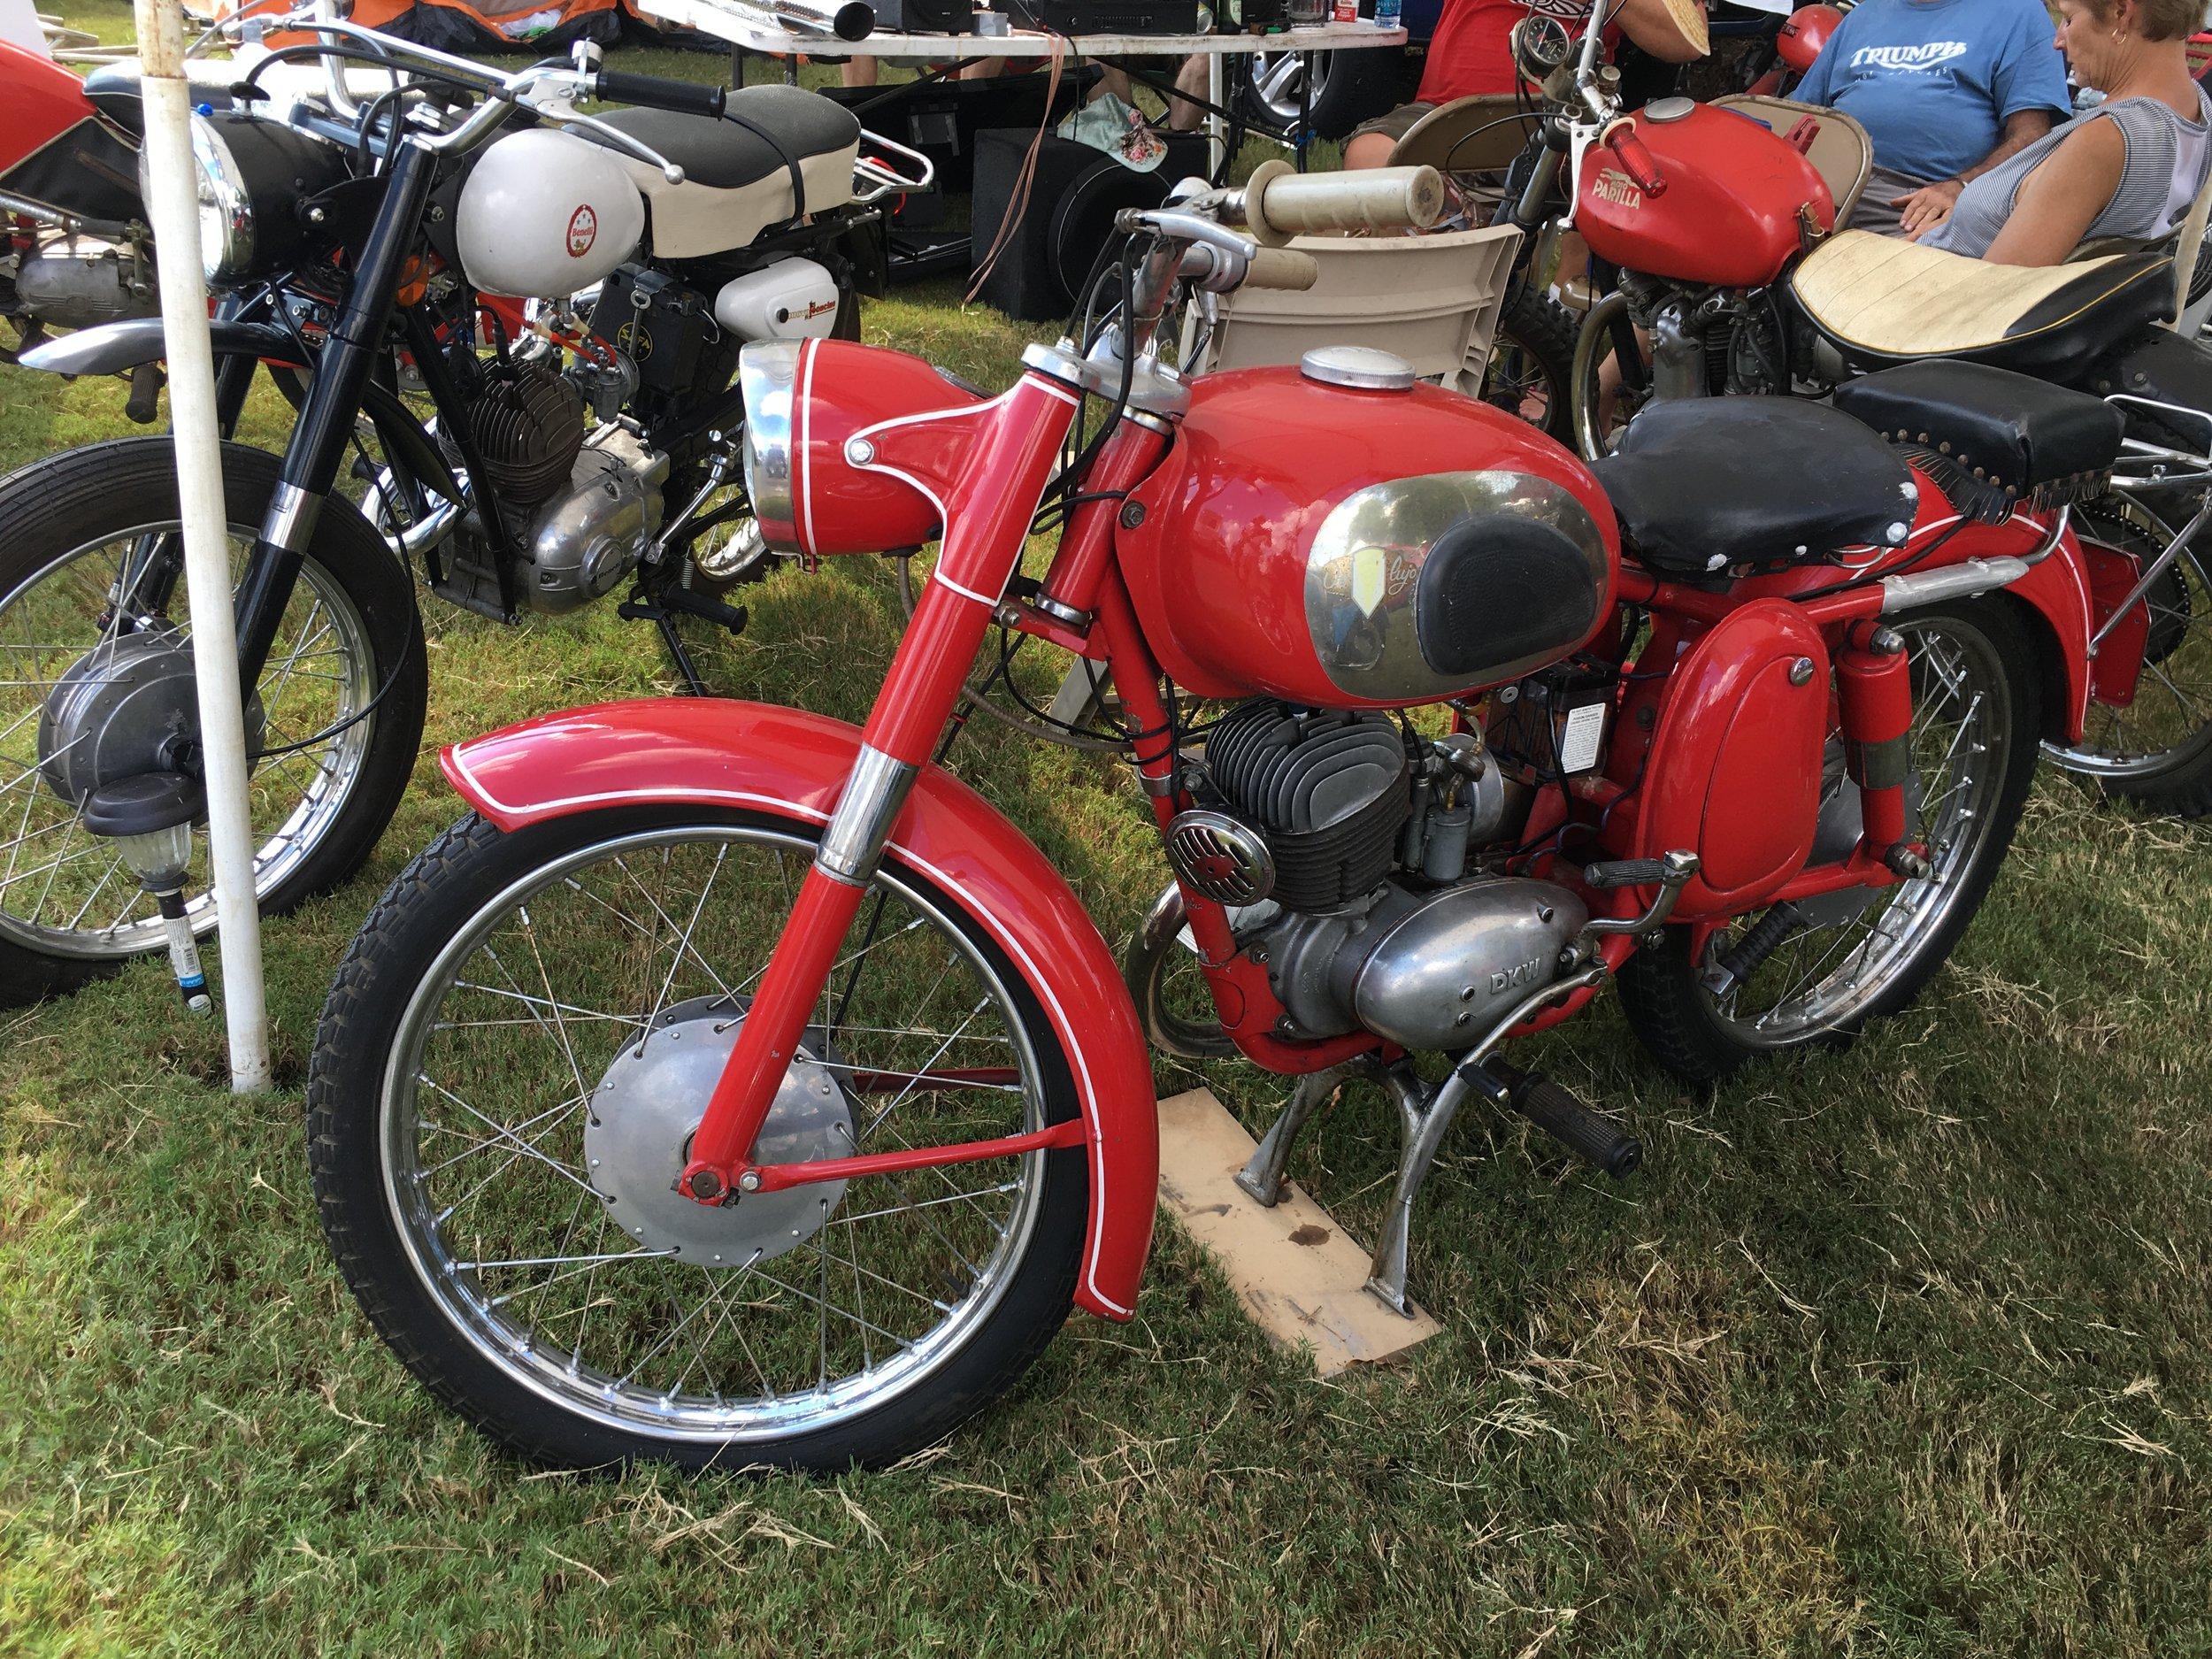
pixel 1907 1349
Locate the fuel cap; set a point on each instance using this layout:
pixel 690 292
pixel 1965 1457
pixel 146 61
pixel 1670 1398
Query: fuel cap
pixel 1362 367
pixel 1668 109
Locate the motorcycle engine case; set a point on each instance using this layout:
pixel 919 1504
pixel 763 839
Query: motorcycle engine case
pixel 80 281
pixel 590 535
pixel 1431 971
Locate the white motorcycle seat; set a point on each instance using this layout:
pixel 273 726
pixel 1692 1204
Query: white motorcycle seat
pixel 736 183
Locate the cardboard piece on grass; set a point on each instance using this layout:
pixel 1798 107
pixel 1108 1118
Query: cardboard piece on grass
pixel 1299 1276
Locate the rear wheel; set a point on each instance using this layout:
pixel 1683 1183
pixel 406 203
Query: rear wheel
pixel 1846 958
pixel 2156 749
pixel 96 637
pixel 505 1082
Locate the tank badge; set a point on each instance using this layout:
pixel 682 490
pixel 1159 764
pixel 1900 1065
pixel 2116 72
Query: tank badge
pixel 1616 188
pixel 583 230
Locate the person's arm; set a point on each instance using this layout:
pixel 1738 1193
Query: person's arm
pixel 2060 199
pixel 1658 27
pixel 1931 204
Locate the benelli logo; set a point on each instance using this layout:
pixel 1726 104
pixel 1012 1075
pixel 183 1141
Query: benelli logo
pixel 820 308
pixel 1507 978
pixel 1616 188
pixel 583 230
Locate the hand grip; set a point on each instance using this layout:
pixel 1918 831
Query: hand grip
pixel 685 97
pixel 1282 268
pixel 1635 160
pixel 1279 203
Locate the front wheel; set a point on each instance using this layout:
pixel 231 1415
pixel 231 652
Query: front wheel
pixel 1531 371
pixel 95 634
pixel 514 1057
pixel 1832 964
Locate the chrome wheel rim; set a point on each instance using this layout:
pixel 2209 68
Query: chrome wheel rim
pixel 538 1280
pixel 1824 977
pixel 65 892
pixel 2169 724
pixel 1276 78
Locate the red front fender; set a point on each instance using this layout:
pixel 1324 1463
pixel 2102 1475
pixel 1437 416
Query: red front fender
pixel 781 760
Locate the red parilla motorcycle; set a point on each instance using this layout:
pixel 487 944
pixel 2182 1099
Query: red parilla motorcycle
pixel 733 1086
pixel 1720 229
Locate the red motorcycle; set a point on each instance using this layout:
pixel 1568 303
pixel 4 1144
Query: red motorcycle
pixel 74 249
pixel 1716 226
pixel 734 1087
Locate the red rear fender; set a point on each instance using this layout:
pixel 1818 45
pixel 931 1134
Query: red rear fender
pixel 750 755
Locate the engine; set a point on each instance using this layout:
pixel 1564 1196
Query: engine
pixel 1345 839
pixel 584 506
pixel 79 281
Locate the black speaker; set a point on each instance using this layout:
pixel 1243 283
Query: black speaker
pixel 1072 200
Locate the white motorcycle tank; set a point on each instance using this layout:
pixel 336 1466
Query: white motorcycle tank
pixel 792 299
pixel 545 213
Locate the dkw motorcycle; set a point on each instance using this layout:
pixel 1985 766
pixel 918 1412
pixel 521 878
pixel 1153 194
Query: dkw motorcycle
pixel 733 1086
pixel 1715 225
pixel 528 463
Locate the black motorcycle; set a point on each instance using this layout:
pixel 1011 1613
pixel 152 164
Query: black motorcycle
pixel 522 456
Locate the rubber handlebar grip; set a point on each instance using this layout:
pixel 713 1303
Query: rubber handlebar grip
pixel 683 97
pixel 1635 160
pixel 1279 203
pixel 1282 268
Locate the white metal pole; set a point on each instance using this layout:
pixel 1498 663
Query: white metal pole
pixel 174 211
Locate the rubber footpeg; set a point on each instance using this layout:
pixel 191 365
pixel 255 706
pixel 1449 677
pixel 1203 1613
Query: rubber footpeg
pixel 1625 872
pixel 1560 1114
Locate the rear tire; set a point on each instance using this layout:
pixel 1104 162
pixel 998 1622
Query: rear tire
pixel 396 1047
pixel 1703 1039
pixel 1531 372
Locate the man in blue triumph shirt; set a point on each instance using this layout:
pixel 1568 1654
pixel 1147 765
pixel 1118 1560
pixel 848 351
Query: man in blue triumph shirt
pixel 1946 88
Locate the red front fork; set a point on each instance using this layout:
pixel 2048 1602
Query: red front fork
pixel 987 513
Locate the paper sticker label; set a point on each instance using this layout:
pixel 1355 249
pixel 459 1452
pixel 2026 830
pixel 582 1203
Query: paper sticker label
pixel 1582 738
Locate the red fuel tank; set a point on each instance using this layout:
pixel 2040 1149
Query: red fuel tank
pixel 43 101
pixel 1348 548
pixel 1739 201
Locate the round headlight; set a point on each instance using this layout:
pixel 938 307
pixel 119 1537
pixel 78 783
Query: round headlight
pixel 768 372
pixel 226 205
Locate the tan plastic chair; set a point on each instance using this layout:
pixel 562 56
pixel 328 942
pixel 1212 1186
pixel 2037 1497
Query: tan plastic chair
pixel 1432 300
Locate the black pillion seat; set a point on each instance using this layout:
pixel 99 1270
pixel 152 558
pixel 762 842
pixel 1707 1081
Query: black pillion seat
pixel 1702 483
pixel 1989 439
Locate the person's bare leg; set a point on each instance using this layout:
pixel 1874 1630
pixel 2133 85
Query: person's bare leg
pixel 1113 82
pixel 857 72
pixel 1369 149
pixel 1183 116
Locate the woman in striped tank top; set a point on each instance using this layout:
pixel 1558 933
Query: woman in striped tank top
pixel 2129 168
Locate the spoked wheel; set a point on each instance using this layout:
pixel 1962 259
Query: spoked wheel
pixel 95 642
pixel 1531 371
pixel 2157 749
pixel 514 1057
pixel 1820 970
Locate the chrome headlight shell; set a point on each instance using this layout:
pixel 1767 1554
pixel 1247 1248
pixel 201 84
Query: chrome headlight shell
pixel 768 374
pixel 226 205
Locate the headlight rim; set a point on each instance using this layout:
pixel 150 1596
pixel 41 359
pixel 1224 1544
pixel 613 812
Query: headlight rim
pixel 768 372
pixel 221 183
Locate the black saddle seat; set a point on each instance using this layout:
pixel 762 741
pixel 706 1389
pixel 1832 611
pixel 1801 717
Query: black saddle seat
pixel 724 156
pixel 2003 432
pixel 113 90
pixel 1701 483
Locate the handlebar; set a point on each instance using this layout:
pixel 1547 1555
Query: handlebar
pixel 683 97
pixel 1279 203
pixel 1281 268
pixel 1635 160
